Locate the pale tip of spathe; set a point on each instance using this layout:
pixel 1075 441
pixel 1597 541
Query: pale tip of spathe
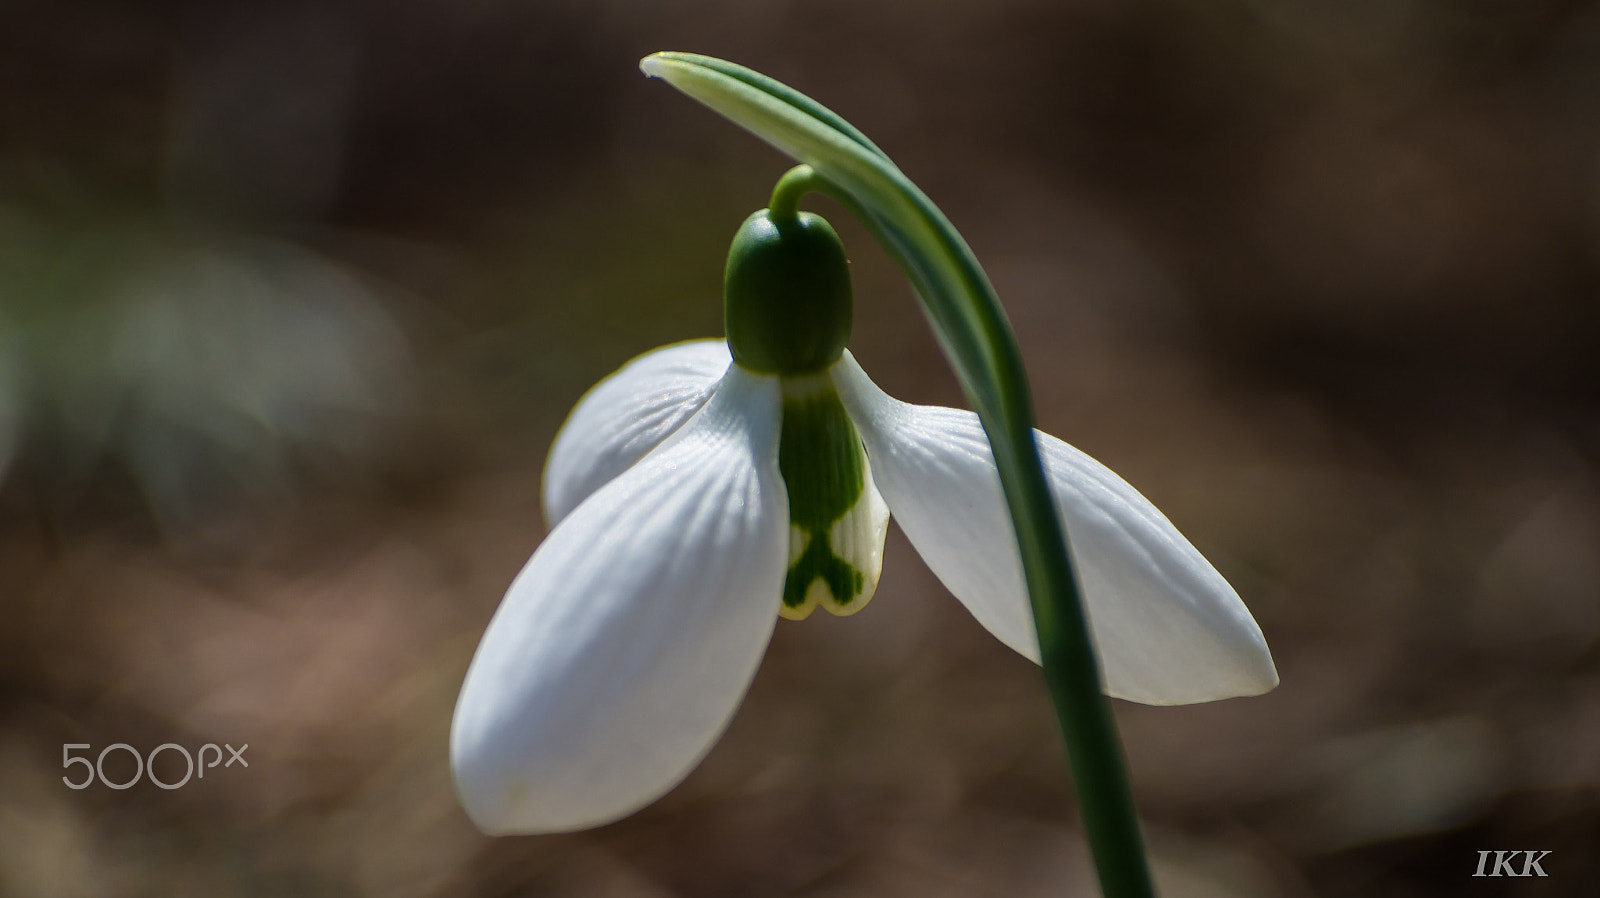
pixel 654 65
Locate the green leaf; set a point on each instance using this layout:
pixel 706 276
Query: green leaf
pixel 978 340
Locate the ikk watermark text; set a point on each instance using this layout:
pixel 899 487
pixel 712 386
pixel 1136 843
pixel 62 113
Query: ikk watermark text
pixel 1504 863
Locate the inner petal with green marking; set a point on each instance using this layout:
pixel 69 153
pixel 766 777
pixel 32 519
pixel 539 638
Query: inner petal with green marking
pixel 837 520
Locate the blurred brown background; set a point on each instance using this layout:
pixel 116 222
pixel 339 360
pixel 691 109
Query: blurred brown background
pixel 293 297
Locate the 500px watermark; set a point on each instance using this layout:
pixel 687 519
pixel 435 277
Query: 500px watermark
pixel 145 764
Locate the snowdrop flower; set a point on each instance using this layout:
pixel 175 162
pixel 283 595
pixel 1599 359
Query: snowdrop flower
pixel 708 488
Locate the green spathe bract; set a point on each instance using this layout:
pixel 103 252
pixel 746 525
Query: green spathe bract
pixel 786 294
pixel 977 339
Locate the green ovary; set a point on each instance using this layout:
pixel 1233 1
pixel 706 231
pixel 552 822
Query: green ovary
pixel 837 520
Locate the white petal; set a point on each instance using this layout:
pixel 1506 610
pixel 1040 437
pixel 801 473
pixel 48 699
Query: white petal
pixel 1168 628
pixel 624 646
pixel 625 416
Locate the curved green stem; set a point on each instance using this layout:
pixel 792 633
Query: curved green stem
pixel 803 179
pixel 795 183
pixel 977 339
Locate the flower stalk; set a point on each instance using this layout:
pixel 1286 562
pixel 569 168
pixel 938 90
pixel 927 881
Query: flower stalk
pixel 977 339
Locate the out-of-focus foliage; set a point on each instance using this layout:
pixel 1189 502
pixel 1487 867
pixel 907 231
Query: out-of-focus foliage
pixel 200 361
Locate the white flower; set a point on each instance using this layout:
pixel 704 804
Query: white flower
pixel 626 643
